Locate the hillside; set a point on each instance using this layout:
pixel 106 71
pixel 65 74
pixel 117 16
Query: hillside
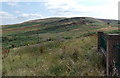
pixel 55 26
pixel 55 23
pixel 54 47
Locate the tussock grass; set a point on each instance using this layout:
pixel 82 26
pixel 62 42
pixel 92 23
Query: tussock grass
pixel 74 57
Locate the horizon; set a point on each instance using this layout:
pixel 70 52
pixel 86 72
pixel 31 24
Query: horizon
pixel 55 17
pixel 19 12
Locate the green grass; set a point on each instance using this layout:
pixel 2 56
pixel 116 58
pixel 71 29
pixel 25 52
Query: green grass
pixel 75 57
pixel 33 37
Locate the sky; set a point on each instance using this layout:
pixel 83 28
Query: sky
pixel 12 12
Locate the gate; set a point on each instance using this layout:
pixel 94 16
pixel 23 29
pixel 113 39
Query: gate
pixel 109 45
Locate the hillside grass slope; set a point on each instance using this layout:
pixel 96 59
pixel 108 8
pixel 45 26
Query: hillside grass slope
pixel 38 31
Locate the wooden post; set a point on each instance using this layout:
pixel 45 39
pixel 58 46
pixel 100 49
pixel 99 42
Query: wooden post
pixel 107 57
pixel 112 40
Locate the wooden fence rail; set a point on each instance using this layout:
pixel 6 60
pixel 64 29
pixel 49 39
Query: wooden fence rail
pixel 109 45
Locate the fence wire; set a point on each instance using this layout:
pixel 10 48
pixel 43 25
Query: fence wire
pixel 103 42
pixel 118 57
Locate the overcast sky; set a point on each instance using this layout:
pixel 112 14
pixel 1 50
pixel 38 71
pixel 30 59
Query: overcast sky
pixel 18 11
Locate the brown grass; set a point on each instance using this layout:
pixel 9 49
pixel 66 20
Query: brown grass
pixel 17 29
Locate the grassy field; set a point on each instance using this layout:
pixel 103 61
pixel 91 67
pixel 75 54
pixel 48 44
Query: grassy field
pixel 75 57
pixel 54 47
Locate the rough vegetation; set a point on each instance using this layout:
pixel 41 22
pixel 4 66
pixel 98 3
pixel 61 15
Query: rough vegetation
pixel 54 47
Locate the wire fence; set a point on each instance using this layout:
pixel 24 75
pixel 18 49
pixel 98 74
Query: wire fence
pixel 103 42
pixel 117 64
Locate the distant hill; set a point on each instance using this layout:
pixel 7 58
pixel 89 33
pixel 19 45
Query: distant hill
pixel 51 21
pixel 109 21
pixel 57 24
pixel 54 28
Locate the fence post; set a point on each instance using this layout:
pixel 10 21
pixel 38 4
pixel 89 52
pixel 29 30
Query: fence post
pixel 99 41
pixel 112 40
pixel 107 56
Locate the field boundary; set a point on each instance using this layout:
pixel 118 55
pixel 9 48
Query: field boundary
pixel 109 46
